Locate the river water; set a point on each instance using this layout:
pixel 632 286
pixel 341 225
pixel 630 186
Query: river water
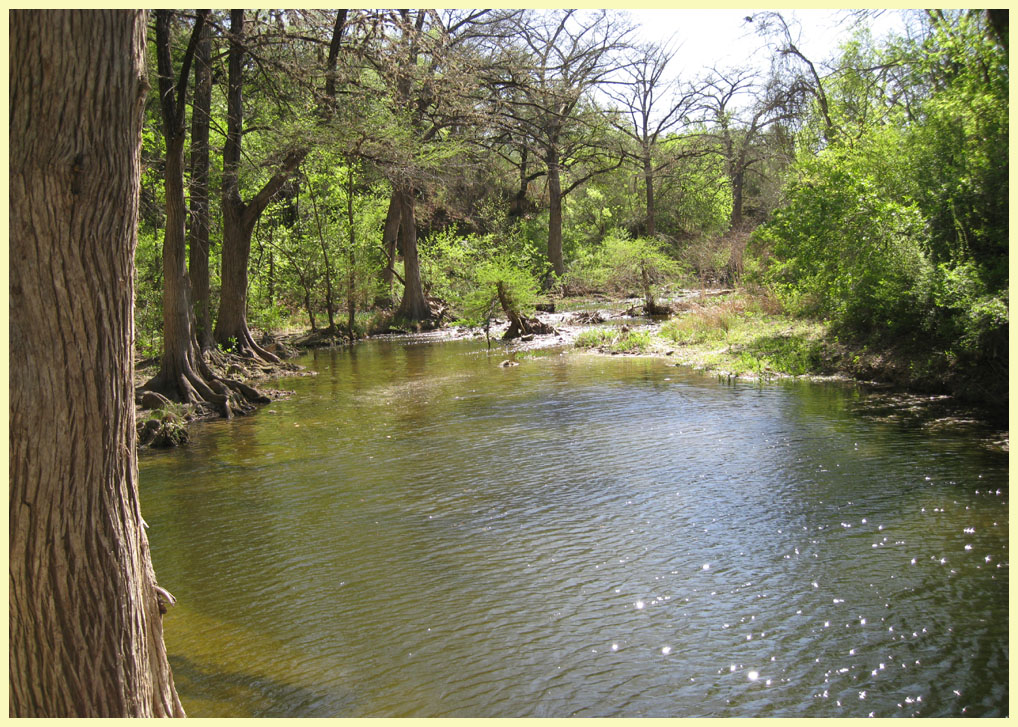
pixel 420 531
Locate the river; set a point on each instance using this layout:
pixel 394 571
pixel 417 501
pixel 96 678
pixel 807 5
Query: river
pixel 420 531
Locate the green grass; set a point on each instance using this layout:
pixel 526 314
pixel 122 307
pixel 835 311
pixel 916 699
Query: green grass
pixel 743 335
pixel 615 340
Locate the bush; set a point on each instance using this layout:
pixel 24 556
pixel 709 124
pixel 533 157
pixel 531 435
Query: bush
pixel 622 265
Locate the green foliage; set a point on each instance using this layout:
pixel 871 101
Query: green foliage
pixel 849 246
pixel 900 227
pixel 623 264
pixel 617 340
pixel 148 294
pixel 499 282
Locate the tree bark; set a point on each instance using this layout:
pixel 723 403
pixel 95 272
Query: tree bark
pixel 390 233
pixel 239 218
pixel 85 627
pixel 183 373
pixel 648 176
pixel 351 290
pixel 738 183
pixel 555 213
pixel 414 306
pixel 198 240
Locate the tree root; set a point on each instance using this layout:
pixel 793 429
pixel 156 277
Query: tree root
pixel 520 326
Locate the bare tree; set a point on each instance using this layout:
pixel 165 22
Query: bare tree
pixel 742 108
pixel 784 37
pixel 566 55
pixel 85 626
pixel 646 118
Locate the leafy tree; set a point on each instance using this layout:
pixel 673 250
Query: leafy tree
pixel 420 89
pixel 899 225
pixel 240 217
pixel 183 375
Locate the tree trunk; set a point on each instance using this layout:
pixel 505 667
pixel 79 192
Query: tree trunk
pixel 648 176
pixel 555 214
pixel 738 182
pixel 183 373
pixel 85 626
pixel 231 329
pixel 239 218
pixel 198 241
pixel 351 289
pixel 389 234
pixel 414 306
pixel 330 305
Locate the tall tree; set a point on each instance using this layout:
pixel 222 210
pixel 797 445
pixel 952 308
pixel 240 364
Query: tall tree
pixel 645 119
pixel 240 217
pixel 742 108
pixel 568 54
pixel 184 374
pixel 200 225
pixel 798 69
pixel 85 625
pixel 424 69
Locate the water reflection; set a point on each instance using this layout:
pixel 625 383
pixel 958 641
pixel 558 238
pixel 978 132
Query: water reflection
pixel 581 536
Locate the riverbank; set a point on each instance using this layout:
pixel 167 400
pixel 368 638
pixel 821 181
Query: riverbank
pixel 727 333
pixel 737 334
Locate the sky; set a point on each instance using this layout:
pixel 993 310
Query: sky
pixel 722 37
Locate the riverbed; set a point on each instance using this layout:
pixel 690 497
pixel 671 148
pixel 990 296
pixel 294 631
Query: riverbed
pixel 422 531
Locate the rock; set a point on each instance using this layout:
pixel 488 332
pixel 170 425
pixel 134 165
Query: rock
pixel 152 400
pixel 546 307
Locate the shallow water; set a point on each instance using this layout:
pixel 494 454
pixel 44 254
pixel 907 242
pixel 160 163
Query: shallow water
pixel 421 532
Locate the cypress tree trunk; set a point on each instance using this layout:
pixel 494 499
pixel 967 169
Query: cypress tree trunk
pixel 390 232
pixel 414 306
pixel 555 213
pixel 183 373
pixel 239 218
pixel 198 241
pixel 85 627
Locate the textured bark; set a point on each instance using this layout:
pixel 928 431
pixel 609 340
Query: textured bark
pixel 648 177
pixel 85 628
pixel 414 306
pixel 390 233
pixel 555 213
pixel 738 185
pixel 198 233
pixel 183 373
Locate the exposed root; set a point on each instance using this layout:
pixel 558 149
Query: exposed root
pixel 522 327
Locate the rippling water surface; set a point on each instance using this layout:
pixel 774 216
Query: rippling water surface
pixel 421 532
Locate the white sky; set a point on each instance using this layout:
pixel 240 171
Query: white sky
pixel 722 37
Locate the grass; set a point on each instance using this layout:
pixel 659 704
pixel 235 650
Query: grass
pixel 743 334
pixel 615 340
